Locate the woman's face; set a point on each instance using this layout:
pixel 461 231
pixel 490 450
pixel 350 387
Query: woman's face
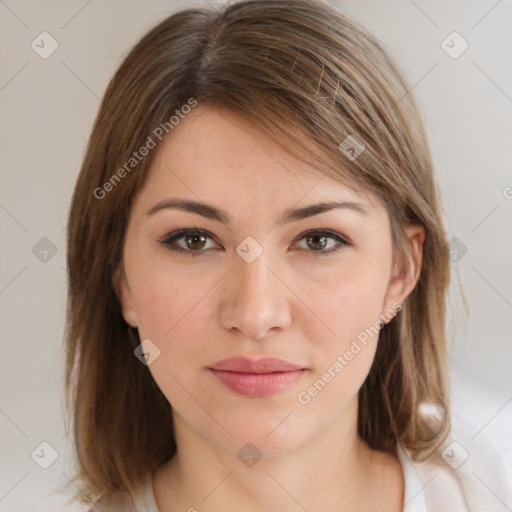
pixel 247 285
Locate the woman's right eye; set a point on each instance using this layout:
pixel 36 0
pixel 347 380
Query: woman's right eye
pixel 194 241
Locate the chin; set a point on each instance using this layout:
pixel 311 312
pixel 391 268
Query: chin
pixel 273 433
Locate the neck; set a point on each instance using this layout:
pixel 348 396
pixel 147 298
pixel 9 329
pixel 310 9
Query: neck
pixel 330 472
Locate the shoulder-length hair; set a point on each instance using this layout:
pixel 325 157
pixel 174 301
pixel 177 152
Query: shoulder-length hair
pixel 309 77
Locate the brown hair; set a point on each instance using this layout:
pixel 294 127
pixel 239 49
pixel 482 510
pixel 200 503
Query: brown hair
pixel 298 71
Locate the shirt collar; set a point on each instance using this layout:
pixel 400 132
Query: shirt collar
pixel 414 498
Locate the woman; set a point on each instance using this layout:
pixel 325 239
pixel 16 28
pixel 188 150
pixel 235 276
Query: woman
pixel 257 276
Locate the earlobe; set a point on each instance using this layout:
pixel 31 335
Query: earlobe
pixel 125 297
pixel 406 270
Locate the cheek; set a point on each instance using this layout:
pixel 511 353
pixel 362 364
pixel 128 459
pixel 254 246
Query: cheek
pixel 173 315
pixel 347 299
pixel 174 311
pixel 350 305
pixel 342 361
pixel 167 299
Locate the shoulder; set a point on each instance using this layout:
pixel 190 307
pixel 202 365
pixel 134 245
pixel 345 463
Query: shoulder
pixel 62 501
pixel 468 472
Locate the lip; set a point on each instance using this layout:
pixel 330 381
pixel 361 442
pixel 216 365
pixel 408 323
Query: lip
pixel 260 377
pixel 248 365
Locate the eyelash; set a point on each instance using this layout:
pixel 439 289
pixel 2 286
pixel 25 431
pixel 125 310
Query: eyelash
pixel 182 233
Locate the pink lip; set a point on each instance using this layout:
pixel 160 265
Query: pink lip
pixel 260 377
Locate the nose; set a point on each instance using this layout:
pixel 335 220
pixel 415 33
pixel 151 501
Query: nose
pixel 255 300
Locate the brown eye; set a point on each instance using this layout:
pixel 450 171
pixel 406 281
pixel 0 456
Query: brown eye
pixel 322 243
pixel 316 242
pixel 195 242
pixel 191 242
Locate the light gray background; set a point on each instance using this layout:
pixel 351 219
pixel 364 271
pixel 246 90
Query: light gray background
pixel 47 107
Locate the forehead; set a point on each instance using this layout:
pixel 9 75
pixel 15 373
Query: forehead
pixel 218 155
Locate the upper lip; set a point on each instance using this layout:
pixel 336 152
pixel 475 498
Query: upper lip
pixel 247 365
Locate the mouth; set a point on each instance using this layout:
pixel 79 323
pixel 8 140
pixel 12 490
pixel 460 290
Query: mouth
pixel 256 378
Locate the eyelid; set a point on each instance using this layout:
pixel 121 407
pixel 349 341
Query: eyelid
pixel 334 234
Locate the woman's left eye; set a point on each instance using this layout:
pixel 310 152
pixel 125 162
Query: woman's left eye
pixel 195 241
pixel 318 241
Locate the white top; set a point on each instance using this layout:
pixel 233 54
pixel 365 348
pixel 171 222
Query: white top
pixel 472 478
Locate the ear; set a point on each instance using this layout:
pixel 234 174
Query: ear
pixel 125 297
pixel 406 271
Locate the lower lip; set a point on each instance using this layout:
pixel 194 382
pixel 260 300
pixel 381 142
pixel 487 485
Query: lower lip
pixel 257 384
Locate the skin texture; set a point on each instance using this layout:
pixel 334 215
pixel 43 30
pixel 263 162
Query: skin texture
pixel 288 303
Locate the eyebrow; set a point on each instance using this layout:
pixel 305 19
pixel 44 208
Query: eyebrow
pixel 289 215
